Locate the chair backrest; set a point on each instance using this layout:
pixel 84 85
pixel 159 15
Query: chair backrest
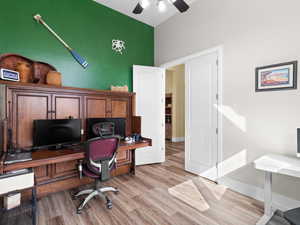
pixel 101 148
pixel 104 129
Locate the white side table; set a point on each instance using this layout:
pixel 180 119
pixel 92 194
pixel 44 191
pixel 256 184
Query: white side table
pixel 275 164
pixel 18 181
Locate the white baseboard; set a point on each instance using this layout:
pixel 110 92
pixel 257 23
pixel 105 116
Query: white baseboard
pixel 279 201
pixel 178 139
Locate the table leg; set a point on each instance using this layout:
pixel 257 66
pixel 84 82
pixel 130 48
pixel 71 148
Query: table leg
pixel 268 212
pixel 34 206
pixel 132 169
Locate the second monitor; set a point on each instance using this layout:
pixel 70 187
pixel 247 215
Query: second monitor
pixel 119 126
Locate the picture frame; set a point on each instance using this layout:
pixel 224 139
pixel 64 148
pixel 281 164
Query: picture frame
pixel 276 77
pixel 10 75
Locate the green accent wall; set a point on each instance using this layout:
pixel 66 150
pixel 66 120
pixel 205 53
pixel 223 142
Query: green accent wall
pixel 88 28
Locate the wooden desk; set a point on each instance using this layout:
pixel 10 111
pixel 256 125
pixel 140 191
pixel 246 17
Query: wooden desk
pixel 279 164
pixel 57 170
pixel 46 158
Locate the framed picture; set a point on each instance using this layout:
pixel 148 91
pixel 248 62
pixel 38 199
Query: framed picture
pixel 276 77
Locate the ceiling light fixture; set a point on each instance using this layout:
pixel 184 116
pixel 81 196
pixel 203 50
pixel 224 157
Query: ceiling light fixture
pixel 144 3
pixel 181 5
pixel 161 5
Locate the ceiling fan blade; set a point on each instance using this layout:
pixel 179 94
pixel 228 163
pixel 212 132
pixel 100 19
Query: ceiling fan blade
pixel 138 9
pixel 181 5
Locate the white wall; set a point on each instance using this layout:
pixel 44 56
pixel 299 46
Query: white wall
pixel 253 33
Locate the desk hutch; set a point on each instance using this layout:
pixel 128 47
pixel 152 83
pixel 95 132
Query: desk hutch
pixel 20 104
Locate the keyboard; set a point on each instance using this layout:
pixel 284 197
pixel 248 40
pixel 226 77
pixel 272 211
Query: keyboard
pixel 78 146
pixel 17 157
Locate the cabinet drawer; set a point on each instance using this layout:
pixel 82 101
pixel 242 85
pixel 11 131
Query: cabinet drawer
pixel 65 169
pixel 42 173
pixel 9 183
pixel 123 157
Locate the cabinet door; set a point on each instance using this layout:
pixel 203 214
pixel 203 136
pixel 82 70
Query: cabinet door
pixel 42 173
pixel 23 108
pixel 65 169
pixel 123 158
pixel 121 108
pixel 66 106
pixel 95 107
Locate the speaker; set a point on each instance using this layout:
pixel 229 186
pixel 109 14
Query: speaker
pixel 298 142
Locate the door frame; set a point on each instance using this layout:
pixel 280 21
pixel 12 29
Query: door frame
pixel 162 102
pixel 183 60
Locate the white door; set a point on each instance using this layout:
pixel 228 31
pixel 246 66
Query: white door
pixel 149 86
pixel 202 116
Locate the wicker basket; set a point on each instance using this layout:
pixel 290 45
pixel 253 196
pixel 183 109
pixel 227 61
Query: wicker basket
pixel 54 78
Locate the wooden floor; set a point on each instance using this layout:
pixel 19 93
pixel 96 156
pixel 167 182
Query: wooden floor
pixel 160 194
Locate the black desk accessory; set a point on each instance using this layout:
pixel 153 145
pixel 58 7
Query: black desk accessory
pixel 136 137
pixel 17 156
pixel 293 216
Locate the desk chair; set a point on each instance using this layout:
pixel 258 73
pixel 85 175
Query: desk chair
pixel 100 159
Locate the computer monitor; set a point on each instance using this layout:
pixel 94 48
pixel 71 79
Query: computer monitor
pixel 119 126
pixel 56 132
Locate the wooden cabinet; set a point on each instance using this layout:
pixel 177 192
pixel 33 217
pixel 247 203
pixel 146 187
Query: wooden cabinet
pixel 26 106
pixel 65 169
pixel 42 173
pixel 123 158
pixel 26 103
pixel 67 106
pixel 121 108
pixel 95 107
pixel 23 109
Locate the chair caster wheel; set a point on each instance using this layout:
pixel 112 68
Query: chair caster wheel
pixel 78 211
pixel 109 205
pixel 117 192
pixel 74 197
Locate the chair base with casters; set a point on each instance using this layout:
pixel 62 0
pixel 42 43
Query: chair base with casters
pixel 100 160
pixel 97 191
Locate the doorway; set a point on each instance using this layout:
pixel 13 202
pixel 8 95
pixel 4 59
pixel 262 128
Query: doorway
pixel 202 121
pixel 175 112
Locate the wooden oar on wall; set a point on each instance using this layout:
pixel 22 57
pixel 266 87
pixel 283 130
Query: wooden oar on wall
pixel 76 56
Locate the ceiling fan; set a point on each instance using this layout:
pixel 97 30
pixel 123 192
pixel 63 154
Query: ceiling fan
pixel 181 5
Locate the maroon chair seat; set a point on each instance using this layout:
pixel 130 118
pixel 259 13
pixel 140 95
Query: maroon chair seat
pixel 88 173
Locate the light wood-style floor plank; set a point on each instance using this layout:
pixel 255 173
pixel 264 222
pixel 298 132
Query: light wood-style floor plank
pixel 159 194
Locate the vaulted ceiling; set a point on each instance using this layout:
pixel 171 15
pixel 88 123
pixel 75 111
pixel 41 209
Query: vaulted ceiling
pixel 150 15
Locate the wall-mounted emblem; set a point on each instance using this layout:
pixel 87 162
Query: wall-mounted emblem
pixel 118 46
